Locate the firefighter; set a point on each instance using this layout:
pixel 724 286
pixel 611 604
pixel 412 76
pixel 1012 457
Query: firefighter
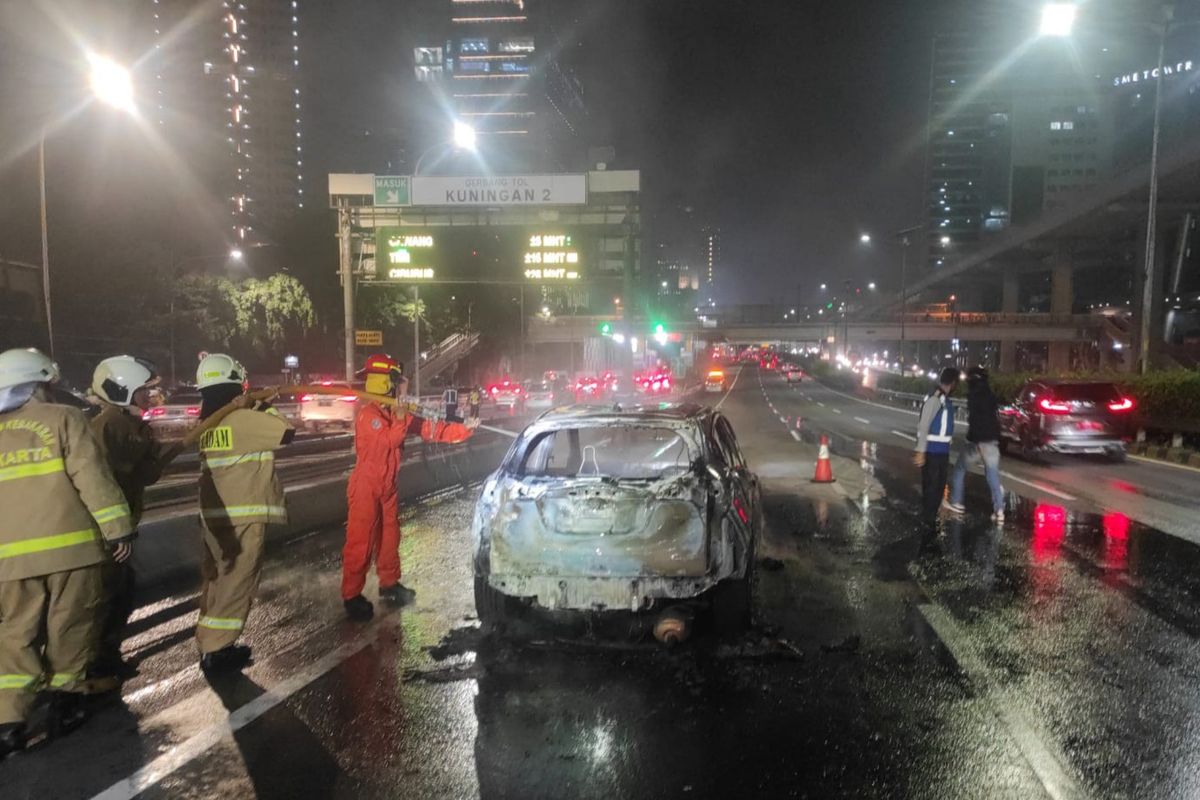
pixel 372 524
pixel 122 384
pixel 62 510
pixel 240 495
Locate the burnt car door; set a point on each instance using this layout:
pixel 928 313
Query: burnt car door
pixel 740 484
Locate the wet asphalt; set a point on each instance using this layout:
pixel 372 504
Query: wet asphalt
pixel 1052 656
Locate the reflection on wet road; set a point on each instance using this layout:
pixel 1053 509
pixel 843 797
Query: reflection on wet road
pixel 1052 656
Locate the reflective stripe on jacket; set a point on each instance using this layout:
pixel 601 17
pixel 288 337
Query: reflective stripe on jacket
pixel 132 452
pixel 238 484
pixel 59 498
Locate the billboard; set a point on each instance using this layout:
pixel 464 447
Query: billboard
pixel 500 190
pixel 537 254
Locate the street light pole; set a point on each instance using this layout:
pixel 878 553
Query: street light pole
pixel 347 276
pixel 45 240
pixel 1148 267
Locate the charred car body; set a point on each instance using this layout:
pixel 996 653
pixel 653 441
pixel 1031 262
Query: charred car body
pixel 647 510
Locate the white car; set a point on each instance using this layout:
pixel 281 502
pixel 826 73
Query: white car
pixel 322 412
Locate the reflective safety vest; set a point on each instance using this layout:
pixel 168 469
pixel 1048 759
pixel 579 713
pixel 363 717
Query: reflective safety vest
pixel 238 484
pixel 941 429
pixel 58 499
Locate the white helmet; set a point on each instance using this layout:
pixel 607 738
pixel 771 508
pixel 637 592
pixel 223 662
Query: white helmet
pixel 218 368
pixel 26 366
pixel 117 378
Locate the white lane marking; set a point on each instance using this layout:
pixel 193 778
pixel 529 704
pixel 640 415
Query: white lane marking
pixel 957 422
pixel 200 743
pixel 795 435
pixel 908 436
pixel 822 405
pixel 783 420
pixel 837 411
pixel 721 402
pixel 1163 463
pixel 1046 763
pixel 863 421
pixel 1041 487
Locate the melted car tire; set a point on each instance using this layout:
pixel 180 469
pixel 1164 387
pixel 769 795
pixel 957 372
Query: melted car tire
pixel 490 605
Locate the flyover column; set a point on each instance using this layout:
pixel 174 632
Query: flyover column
pixel 1010 303
pixel 1062 299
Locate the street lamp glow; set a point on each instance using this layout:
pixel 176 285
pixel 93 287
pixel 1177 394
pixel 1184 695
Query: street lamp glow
pixel 236 254
pixel 1058 19
pixel 871 285
pixel 464 136
pixel 945 241
pixel 822 287
pixel 865 238
pixel 111 83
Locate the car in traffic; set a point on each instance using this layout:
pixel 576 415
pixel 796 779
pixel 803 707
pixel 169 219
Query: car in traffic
pixel 654 383
pixel 548 393
pixel 647 509
pixel 320 413
pixel 589 389
pixel 714 380
pixel 177 415
pixel 1079 417
pixel 508 394
pixel 793 375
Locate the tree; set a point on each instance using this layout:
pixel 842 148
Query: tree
pixel 272 312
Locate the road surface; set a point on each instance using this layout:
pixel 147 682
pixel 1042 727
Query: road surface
pixel 1053 656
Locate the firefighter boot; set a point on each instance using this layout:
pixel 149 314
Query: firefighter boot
pixel 67 712
pixel 12 739
pixel 227 659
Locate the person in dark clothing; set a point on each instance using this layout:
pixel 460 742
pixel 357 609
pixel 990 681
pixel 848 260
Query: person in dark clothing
pixel 935 431
pixel 982 444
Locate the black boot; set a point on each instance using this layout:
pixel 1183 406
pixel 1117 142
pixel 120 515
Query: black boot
pixel 359 608
pixel 12 739
pixel 227 659
pixel 398 595
pixel 67 712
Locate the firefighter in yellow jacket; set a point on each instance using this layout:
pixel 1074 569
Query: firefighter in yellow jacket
pixel 239 496
pixel 61 510
pixel 122 386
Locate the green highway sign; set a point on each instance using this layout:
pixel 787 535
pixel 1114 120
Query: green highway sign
pixel 392 190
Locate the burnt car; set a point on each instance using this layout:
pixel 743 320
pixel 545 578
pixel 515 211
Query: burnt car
pixel 1051 416
pixel 649 509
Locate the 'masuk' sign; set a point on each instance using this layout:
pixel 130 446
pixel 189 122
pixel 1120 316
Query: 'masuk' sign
pixel 500 190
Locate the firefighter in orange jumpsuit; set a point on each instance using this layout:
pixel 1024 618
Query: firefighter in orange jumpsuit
pixel 373 525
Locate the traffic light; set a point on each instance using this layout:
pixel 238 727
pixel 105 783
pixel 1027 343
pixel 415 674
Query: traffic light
pixel 605 329
pixel 659 328
pixel 829 305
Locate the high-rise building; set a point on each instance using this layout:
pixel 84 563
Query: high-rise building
pixel 1018 126
pixel 496 68
pixel 712 259
pixel 227 91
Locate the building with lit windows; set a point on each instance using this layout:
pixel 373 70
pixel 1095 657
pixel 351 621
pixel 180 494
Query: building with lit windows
pixel 494 68
pixel 227 92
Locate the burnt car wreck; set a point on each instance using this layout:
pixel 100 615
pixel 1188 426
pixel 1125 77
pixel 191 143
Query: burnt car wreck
pixel 598 509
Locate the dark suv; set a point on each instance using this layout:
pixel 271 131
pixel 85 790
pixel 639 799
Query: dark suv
pixel 1068 417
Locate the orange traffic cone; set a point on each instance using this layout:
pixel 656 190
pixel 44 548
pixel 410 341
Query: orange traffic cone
pixel 824 473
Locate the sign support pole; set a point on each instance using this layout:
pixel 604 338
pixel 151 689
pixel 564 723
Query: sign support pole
pixel 344 269
pixel 417 341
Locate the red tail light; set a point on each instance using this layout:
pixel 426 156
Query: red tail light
pixel 1124 404
pixel 157 411
pixel 516 390
pixel 666 383
pixel 193 411
pixel 1053 407
pixel 494 389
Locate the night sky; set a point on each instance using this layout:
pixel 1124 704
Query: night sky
pixel 794 126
